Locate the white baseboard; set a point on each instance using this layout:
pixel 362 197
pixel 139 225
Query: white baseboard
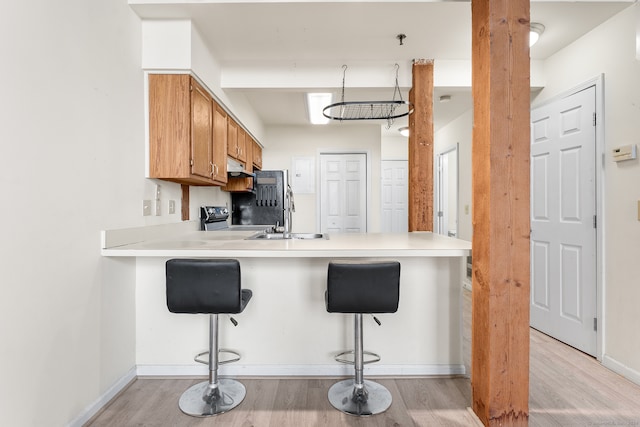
pixel 619 368
pixel 99 403
pixel 337 370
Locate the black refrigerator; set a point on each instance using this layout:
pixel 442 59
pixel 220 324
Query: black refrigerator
pixel 265 204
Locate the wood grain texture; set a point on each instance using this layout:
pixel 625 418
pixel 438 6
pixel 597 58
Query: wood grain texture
pixel 238 185
pixel 232 138
pixel 242 145
pixel 184 202
pixel 257 156
pixel 201 131
pixel 180 129
pixel 169 126
pixel 500 337
pixel 219 162
pixel 421 148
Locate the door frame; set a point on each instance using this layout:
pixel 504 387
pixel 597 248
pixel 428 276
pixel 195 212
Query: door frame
pixel 598 82
pixel 438 183
pixel 333 151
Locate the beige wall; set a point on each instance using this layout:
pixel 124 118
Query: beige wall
pixel 459 132
pixel 286 142
pixel 610 49
pixel 71 164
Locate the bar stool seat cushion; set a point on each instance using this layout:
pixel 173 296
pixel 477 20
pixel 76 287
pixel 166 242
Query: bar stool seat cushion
pixel 205 286
pixel 363 287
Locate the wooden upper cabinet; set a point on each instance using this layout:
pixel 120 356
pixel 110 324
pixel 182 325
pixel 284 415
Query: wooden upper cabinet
pixel 181 130
pixel 244 184
pixel 242 148
pixel 201 131
pixel 219 152
pixel 191 135
pixel 232 138
pixel 236 143
pixel 257 156
pixel 248 149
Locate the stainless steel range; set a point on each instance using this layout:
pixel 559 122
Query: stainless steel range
pixel 213 217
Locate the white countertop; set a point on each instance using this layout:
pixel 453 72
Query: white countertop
pixel 232 243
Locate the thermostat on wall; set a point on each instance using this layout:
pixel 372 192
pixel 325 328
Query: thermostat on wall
pixel 627 152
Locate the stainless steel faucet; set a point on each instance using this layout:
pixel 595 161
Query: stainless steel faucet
pixel 289 208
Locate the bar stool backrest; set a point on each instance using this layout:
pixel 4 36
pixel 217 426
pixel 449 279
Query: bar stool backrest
pixel 204 286
pixel 363 287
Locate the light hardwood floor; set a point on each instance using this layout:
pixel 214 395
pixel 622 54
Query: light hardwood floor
pixel 567 388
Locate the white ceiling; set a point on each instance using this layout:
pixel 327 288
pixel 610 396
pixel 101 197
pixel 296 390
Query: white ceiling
pixel 333 33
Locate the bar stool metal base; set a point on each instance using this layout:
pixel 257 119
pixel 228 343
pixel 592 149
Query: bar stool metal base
pixel 201 400
pixel 373 399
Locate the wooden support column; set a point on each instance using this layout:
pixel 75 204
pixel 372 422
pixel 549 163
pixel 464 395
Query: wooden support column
pixel 184 210
pixel 421 147
pixel 500 307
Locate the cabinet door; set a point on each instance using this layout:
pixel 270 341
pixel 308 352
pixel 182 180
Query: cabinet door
pixel 257 156
pixel 169 126
pixel 201 131
pixel 248 143
pixel 242 150
pixel 219 149
pixel 232 138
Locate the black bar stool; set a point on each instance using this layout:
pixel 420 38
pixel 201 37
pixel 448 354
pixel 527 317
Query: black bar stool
pixel 361 287
pixel 208 286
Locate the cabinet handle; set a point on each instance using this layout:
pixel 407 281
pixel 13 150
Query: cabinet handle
pixel 213 168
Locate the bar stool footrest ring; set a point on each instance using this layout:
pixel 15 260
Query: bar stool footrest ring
pixel 338 357
pixel 220 362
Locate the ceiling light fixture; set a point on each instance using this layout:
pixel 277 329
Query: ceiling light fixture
pixel 535 31
pixel 315 104
pixel 404 131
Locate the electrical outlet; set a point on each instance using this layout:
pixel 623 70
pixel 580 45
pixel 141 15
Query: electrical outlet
pixel 172 207
pixel 157 191
pixel 146 207
pixel 158 208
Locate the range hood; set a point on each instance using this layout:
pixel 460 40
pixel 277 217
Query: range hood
pixel 235 169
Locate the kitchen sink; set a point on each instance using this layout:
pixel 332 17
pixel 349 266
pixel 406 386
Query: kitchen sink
pixel 309 236
pixel 280 236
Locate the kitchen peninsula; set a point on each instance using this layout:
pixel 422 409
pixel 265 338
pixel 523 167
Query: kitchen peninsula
pixel 286 329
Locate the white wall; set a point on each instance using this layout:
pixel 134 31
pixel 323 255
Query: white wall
pixel 274 334
pixel 177 46
pixel 460 131
pixel 611 49
pixel 394 147
pixel 286 142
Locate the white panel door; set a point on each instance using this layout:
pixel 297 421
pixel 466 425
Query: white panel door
pixel 563 209
pixel 395 178
pixel 343 193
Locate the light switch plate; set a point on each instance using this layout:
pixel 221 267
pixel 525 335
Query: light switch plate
pixel 146 207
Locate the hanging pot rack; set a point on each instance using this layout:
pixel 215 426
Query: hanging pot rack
pixel 369 110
